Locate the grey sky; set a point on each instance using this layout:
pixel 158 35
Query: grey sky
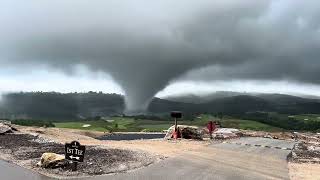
pixel 144 45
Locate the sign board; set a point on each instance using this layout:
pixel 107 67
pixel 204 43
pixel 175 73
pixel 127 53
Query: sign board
pixel 176 114
pixel 74 151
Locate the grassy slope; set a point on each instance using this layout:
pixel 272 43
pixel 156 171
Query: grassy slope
pixel 129 124
pixel 309 117
pixel 239 123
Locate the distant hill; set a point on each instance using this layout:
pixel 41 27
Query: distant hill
pixel 199 99
pixel 233 102
pixel 51 105
pixel 238 104
pixel 274 98
pixel 283 99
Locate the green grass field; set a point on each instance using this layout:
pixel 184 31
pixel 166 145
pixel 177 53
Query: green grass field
pixel 122 124
pixel 307 117
pixel 118 125
pixel 230 122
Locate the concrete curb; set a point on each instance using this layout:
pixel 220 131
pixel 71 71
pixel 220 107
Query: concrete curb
pixel 258 145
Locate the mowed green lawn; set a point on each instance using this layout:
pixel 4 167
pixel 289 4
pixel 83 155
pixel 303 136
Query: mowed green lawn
pixel 307 117
pixel 230 122
pixel 124 124
pixel 118 125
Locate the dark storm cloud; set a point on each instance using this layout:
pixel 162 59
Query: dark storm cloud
pixel 144 45
pixel 288 70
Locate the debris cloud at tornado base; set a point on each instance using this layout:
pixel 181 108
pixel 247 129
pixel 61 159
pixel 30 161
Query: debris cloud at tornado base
pixel 146 45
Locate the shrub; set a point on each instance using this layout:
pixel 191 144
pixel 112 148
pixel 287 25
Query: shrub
pixel 32 122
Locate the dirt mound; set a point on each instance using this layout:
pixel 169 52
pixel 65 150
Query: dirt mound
pixel 186 132
pixel 304 152
pixel 6 127
pixel 271 135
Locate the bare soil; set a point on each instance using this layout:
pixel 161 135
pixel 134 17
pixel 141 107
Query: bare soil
pixel 26 149
pixel 304 171
pixel 160 148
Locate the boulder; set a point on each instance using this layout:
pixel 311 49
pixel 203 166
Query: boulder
pixel 52 160
pixel 186 132
pixel 5 128
pixel 226 133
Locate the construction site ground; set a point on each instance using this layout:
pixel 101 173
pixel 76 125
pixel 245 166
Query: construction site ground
pixel 244 158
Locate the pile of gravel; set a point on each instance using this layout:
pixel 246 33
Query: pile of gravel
pixel 304 152
pixel 24 146
pixel 6 127
pixel 97 161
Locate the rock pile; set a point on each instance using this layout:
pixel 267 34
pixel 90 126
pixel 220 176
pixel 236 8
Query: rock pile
pixel 6 127
pixel 187 132
pixel 226 133
pixel 270 135
pixel 194 132
pixel 304 152
pixel 307 137
pixel 52 160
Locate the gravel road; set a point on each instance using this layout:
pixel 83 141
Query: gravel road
pixel 220 161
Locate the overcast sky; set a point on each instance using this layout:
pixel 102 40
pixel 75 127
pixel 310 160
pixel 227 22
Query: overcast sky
pixel 144 48
pixel 84 81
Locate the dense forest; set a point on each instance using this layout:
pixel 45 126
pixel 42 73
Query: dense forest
pixel 53 105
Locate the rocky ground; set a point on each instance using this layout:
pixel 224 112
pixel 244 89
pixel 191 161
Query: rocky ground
pixel 305 152
pixel 304 160
pixel 26 146
pixel 26 150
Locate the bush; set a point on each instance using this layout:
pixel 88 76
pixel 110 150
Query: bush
pixel 282 121
pixel 32 122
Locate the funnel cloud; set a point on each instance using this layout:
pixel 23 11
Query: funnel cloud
pixel 146 45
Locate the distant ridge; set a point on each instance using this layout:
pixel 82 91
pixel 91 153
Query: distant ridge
pixel 51 105
pixel 274 97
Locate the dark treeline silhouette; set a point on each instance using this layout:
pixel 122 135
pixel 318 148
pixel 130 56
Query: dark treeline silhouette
pixel 53 105
pixel 62 106
pixel 282 121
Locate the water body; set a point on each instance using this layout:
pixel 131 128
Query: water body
pixel 13 172
pixel 131 136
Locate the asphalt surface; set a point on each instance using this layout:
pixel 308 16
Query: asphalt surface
pixel 9 171
pixel 261 146
pixel 234 160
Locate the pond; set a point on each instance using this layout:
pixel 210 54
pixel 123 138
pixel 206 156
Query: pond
pixel 131 136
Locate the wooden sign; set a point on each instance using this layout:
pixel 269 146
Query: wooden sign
pixel 74 151
pixel 176 114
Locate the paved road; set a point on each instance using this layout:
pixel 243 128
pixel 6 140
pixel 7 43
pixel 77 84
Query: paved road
pixel 12 172
pixel 262 146
pixel 219 161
